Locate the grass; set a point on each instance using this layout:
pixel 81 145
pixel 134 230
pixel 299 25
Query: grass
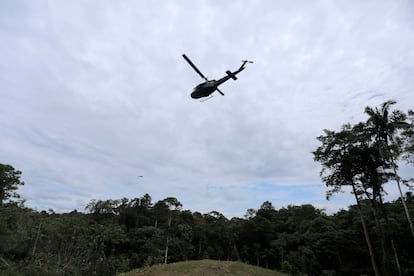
pixel 203 268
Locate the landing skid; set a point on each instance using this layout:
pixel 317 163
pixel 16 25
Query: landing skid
pixel 203 100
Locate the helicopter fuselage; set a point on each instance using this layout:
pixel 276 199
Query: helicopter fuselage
pixel 204 89
pixel 207 88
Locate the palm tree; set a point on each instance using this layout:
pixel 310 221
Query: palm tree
pixel 387 131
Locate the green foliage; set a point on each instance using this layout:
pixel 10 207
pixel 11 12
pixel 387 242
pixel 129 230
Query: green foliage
pixel 295 239
pixel 9 183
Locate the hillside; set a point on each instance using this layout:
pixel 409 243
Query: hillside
pixel 203 267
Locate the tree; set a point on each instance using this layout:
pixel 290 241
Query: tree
pixel 9 182
pixel 365 157
pixel 389 131
pixel 173 205
pixel 341 156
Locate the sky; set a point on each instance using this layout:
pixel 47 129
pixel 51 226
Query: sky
pixel 95 94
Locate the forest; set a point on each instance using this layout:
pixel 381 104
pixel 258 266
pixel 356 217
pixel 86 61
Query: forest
pixel 371 237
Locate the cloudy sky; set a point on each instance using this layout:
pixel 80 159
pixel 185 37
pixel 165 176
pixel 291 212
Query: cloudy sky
pixel 96 93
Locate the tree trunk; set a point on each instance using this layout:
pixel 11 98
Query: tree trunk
pixel 397 179
pixel 397 261
pixel 36 240
pixel 380 229
pixel 166 251
pixel 168 240
pixel 367 239
pixel 281 262
pixel 4 261
pixel 407 214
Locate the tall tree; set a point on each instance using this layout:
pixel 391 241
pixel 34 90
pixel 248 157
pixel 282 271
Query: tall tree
pixel 365 157
pixel 173 205
pixel 9 183
pixel 341 155
pixel 388 130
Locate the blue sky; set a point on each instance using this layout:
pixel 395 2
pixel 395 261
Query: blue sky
pixel 96 93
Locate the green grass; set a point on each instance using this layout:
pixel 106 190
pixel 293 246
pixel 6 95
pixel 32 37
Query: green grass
pixel 203 267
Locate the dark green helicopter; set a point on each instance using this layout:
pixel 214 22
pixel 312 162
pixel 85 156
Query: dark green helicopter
pixel 208 87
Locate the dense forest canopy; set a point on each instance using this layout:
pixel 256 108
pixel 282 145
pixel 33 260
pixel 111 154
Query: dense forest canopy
pixel 119 235
pixel 115 235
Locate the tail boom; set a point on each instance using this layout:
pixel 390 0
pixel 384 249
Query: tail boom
pixel 231 75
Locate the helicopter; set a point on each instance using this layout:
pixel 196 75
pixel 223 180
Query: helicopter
pixel 208 87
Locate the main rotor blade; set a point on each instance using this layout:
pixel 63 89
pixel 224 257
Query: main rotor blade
pixel 220 91
pixel 194 67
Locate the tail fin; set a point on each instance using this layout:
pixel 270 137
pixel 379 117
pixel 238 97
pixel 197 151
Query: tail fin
pixel 233 76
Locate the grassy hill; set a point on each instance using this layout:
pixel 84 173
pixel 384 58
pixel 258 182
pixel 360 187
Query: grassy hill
pixel 203 267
